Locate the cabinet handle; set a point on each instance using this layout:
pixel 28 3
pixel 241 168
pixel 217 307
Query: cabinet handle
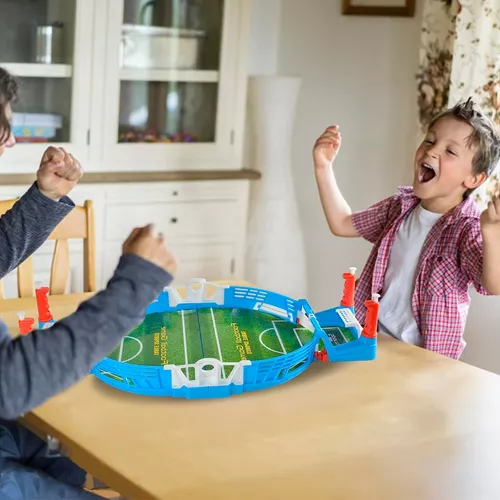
pixel 173 220
pixel 175 193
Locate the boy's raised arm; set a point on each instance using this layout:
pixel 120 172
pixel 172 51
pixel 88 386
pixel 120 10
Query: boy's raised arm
pixel 37 366
pixel 337 211
pixel 368 223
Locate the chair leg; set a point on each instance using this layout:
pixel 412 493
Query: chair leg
pixel 99 488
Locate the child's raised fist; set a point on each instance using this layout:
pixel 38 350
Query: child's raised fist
pixel 490 218
pixel 58 173
pixel 149 245
pixel 326 148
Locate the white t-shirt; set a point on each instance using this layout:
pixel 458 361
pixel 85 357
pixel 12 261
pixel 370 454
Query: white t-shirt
pixel 395 313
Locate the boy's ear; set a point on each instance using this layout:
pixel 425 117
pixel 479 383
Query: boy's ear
pixel 475 180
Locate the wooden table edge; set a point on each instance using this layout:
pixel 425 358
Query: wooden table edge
pixel 84 459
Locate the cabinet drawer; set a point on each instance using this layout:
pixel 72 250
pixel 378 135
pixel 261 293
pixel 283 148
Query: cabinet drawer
pixel 176 191
pixel 215 219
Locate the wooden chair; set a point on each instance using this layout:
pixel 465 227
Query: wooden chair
pixel 79 224
pixel 99 488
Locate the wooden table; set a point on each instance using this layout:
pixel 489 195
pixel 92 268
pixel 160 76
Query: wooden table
pixel 410 425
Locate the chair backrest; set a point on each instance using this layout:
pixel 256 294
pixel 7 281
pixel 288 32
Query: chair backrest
pixel 78 224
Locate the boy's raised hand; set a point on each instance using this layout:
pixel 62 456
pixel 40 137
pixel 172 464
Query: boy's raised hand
pixel 58 173
pixel 326 148
pixel 146 243
pixel 490 218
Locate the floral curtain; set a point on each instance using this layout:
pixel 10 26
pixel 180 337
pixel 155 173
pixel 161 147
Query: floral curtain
pixel 460 57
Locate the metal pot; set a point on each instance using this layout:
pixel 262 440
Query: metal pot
pixel 49 43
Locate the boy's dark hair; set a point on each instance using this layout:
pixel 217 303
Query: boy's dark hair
pixel 485 135
pixel 8 94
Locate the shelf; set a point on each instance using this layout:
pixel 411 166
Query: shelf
pixel 34 70
pixel 168 75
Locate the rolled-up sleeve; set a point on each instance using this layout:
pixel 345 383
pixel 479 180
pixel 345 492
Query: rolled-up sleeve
pixel 371 222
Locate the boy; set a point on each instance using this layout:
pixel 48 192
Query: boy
pixel 35 367
pixel 430 241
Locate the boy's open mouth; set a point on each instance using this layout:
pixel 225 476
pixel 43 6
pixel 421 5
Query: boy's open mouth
pixel 425 173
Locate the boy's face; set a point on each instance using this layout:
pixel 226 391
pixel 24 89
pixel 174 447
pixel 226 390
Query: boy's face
pixel 443 165
pixel 10 142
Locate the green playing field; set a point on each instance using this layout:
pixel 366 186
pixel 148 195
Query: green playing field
pixel 229 335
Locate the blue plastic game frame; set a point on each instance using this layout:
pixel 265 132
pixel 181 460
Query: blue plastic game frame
pixel 245 375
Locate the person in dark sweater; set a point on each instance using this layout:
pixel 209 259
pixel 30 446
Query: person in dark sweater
pixel 35 367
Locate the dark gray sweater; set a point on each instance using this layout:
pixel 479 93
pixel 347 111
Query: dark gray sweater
pixel 35 367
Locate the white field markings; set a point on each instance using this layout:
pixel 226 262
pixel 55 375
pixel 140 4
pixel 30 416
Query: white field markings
pixel 217 338
pixel 295 330
pixel 297 335
pixel 279 337
pixel 184 335
pixel 266 346
pixel 276 331
pixel 185 341
pixel 301 329
pixel 326 330
pixel 120 353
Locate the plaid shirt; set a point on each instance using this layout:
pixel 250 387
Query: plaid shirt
pixel 451 260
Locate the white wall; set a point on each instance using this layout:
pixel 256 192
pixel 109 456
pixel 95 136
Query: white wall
pixel 358 72
pixel 265 37
pixel 262 57
pixel 483 333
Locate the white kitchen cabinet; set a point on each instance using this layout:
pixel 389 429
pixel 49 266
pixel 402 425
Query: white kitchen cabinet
pixel 203 222
pixel 54 93
pixel 141 85
pixel 195 101
pixel 209 260
pixel 168 77
pixel 208 237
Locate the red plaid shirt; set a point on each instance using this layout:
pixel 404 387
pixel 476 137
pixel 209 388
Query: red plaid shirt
pixel 451 260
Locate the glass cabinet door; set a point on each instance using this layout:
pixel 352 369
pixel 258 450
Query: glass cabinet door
pixel 169 63
pixel 157 38
pixel 37 45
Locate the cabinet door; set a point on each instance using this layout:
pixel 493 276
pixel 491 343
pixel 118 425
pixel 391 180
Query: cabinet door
pixel 210 260
pixel 211 219
pixel 174 81
pixel 46 44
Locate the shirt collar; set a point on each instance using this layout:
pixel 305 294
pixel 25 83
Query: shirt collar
pixel 467 209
